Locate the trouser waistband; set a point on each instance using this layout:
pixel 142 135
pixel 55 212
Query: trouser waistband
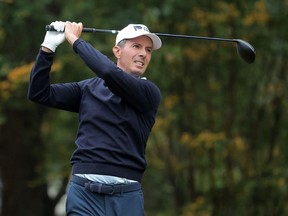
pixel 105 188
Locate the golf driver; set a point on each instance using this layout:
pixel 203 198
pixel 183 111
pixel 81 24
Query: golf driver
pixel 245 50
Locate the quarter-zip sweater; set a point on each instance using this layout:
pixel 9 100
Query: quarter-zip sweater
pixel 116 113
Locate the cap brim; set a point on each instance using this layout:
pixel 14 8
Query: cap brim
pixel 157 43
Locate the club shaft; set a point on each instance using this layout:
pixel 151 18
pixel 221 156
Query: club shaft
pixel 95 30
pixel 194 37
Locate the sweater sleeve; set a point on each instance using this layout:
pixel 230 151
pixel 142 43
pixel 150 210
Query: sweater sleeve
pixel 65 96
pixel 141 94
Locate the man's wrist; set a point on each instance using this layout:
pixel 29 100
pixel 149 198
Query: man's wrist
pixel 45 49
pixel 71 38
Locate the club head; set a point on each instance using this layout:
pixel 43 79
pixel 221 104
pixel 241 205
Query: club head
pixel 246 51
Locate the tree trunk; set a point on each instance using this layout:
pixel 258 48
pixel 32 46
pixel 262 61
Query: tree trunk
pixel 21 156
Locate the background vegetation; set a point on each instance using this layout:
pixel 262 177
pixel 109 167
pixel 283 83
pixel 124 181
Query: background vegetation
pixel 219 146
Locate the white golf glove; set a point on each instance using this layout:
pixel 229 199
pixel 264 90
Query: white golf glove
pixel 54 38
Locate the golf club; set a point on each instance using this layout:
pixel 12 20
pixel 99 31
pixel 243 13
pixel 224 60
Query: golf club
pixel 245 50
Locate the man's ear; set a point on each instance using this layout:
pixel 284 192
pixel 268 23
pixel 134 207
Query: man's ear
pixel 116 50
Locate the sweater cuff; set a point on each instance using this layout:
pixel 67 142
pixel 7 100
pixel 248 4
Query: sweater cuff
pixel 76 43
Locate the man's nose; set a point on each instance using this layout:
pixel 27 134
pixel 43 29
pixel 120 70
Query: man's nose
pixel 143 52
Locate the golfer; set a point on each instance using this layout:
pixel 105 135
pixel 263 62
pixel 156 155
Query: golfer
pixel 117 109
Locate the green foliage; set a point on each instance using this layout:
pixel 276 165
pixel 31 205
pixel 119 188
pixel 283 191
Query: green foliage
pixel 219 143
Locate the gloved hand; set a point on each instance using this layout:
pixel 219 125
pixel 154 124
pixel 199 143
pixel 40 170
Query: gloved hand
pixel 54 38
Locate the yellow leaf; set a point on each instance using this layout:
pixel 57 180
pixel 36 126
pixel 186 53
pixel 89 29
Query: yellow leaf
pixel 259 15
pixel 17 76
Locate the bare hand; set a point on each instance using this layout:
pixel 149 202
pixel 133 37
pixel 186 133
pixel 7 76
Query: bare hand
pixel 73 31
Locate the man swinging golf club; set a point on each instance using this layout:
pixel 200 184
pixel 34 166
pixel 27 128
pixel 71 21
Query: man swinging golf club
pixel 117 110
pixel 245 50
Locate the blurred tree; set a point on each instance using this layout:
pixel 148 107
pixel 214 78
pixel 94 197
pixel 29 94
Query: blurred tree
pixel 219 127
pixel 23 151
pixel 219 143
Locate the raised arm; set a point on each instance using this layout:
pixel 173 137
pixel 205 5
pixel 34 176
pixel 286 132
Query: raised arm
pixel 62 96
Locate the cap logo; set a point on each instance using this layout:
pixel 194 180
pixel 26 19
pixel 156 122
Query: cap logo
pixel 138 27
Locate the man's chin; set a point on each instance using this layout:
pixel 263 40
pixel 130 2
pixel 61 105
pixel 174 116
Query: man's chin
pixel 137 72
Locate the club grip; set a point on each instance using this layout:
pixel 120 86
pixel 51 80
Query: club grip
pixel 91 30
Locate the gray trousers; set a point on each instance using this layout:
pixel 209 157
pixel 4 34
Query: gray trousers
pixel 82 202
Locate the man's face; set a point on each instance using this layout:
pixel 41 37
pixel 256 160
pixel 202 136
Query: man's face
pixel 135 55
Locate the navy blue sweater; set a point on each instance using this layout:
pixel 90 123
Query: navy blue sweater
pixel 116 113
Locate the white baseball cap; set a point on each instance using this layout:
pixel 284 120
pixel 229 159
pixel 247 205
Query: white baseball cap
pixel 136 30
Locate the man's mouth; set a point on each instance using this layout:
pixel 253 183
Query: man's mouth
pixel 139 63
